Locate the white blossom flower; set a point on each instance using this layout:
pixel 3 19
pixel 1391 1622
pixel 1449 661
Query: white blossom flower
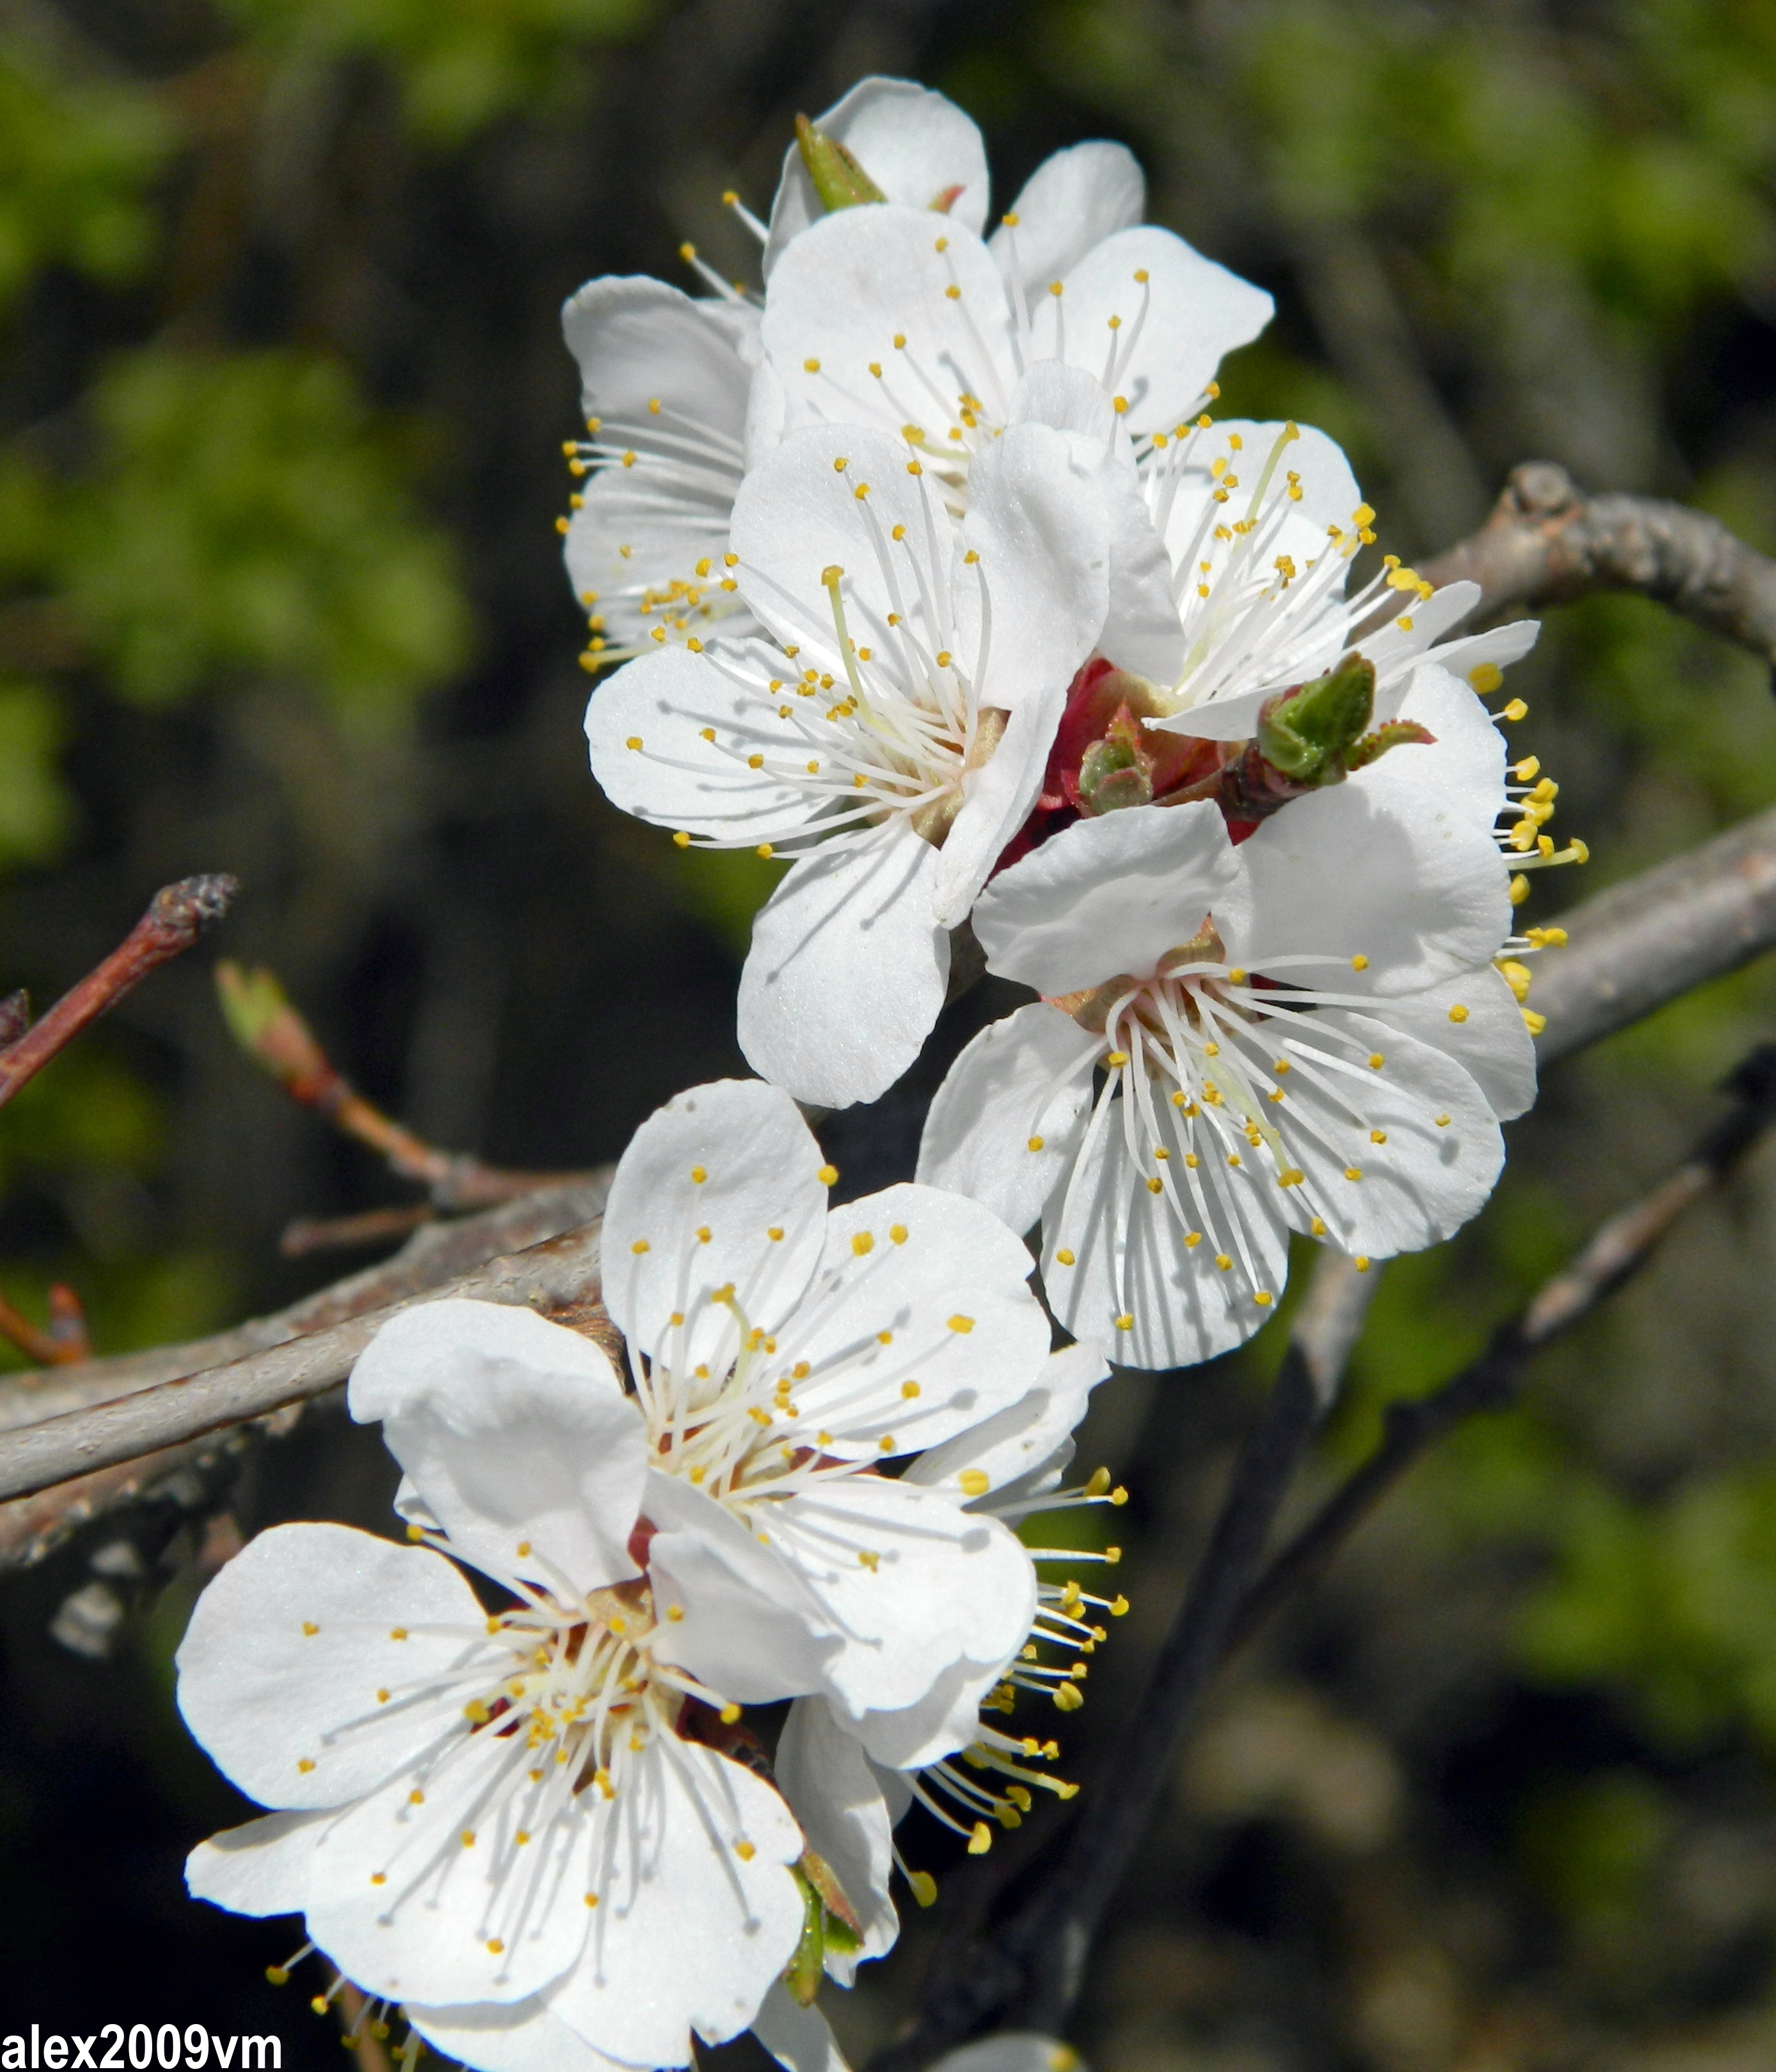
pixel 515 1822
pixel 891 736
pixel 1259 524
pixel 850 1783
pixel 663 382
pixel 495 1819
pixel 1300 1031
pixel 887 317
pixel 665 379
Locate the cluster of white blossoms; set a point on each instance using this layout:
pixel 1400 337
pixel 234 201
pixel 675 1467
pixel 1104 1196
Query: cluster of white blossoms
pixel 532 1817
pixel 929 574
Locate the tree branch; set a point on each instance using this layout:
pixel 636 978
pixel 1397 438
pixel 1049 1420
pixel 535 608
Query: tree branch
pixel 1613 1256
pixel 560 1273
pixel 266 1025
pixel 31 1525
pixel 177 915
pixel 1642 943
pixel 1547 543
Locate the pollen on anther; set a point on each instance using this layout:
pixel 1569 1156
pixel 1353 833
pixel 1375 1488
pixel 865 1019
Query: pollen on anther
pixel 962 1325
pixel 305 1764
pixel 1063 1257
pixel 309 1628
pixel 862 1244
pixel 827 1176
pixel 1035 1143
pixel 897 1233
pixel 1359 962
pixel 1223 1263
pixel 1125 1322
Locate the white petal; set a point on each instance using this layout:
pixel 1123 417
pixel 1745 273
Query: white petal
pixel 1199 312
pixel 1498 645
pixel 847 969
pixel 676 778
pixel 1112 895
pixel 266 1696
pixel 1142 632
pixel 438 1901
pixel 719 1187
pixel 638 342
pixel 1329 496
pixel 516 1433
pixel 1417 1131
pixel 1037 523
pixel 940 1586
pixel 1013 2050
pixel 1025 1080
pixel 1386 867
pixel 1394 647
pixel 1074 200
pixel 1132 1260
pixel 262 1868
pixel 798 514
pixel 693 1933
pixel 667 380
pixel 851 284
pixel 823 1772
pixel 748 1625
pixel 915 146
pixel 524 2037
pixel 919 1323
pixel 1490 1042
pixel 797 2036
pixel 1464 764
pixel 997 802
pixel 945 1718
pixel 1021 1439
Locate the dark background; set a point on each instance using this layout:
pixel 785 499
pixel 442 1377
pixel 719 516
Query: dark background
pixel 281 401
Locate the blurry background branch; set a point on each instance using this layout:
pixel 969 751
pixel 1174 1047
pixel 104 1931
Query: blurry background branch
pixel 1548 543
pixel 268 1029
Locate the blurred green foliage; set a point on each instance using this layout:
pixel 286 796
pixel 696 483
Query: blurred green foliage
pixel 246 515
pixel 458 63
pixel 77 160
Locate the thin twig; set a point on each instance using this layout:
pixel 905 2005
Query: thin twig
pixel 268 1029
pixel 177 915
pixel 1547 543
pixel 561 1272
pixel 1645 941
pixel 63 1343
pixel 15 1017
pixel 1616 1253
pixel 31 1527
pixel 309 1234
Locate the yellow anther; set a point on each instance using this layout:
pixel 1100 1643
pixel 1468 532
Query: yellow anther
pixel 1063 1257
pixel 1458 1012
pixel 962 1325
pixel 827 1176
pixel 1035 1143
pixel 1223 1262
pixel 1359 962
pixel 862 1244
pixel 974 1482
pixel 1125 1322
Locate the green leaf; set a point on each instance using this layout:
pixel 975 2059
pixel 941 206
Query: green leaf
pixel 248 514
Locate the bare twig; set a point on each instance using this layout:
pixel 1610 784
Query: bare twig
pixel 30 1527
pixel 1546 543
pixel 177 915
pixel 1617 1252
pixel 309 1234
pixel 14 1016
pixel 1643 942
pixel 561 1272
pixel 64 1343
pixel 268 1029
